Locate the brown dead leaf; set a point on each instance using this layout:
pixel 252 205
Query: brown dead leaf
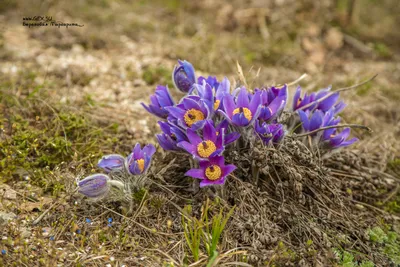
pixel 36 206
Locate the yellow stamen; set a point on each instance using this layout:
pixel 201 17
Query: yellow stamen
pixel 216 133
pixel 216 104
pixel 245 111
pixel 206 148
pixel 192 116
pixel 213 172
pixel 140 163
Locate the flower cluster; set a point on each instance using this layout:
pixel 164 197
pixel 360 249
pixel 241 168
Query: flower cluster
pixel 129 170
pixel 210 116
pixel 317 113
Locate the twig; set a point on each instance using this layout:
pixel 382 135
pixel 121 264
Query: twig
pixel 51 207
pixel 375 208
pixel 335 91
pixel 298 79
pixel 335 126
pixel 391 194
pixel 44 213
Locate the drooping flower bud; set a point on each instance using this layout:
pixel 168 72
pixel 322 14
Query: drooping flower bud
pixel 94 186
pixel 111 162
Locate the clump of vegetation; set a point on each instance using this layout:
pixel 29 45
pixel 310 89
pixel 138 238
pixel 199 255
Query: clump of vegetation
pixel 347 259
pixel 388 242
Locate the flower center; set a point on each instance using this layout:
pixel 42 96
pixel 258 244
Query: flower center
pixel 298 101
pixel 245 111
pixel 173 136
pixel 140 163
pixel 192 116
pixel 267 135
pixel 206 148
pixel 213 172
pixel 216 104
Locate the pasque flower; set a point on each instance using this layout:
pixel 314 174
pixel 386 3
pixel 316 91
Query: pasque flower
pixel 273 101
pixel 161 99
pixel 212 172
pixel 94 186
pixel 330 137
pixel 334 139
pixel 184 76
pixel 97 185
pixel 324 105
pixel 229 137
pixel 213 94
pixel 171 136
pixel 241 111
pixel 211 80
pixel 269 132
pixel 311 120
pixel 139 160
pixel 111 162
pixel 202 148
pixel 192 113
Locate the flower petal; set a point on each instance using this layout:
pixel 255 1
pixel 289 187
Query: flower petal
pixel 196 173
pixel 191 149
pixel 243 98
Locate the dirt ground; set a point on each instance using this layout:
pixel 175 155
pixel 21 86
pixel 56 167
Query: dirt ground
pixel 70 95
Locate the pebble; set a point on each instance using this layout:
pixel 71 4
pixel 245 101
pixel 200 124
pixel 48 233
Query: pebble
pixel 5 217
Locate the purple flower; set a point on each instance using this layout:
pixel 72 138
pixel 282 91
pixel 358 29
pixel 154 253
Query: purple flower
pixel 183 76
pixel 324 105
pixel 212 172
pixel 192 113
pixel 332 139
pixel 241 112
pixel 299 102
pixel 139 160
pixel 213 95
pixel 111 162
pixel 94 186
pixel 202 148
pixel 329 138
pixel 228 137
pixel 161 99
pixel 273 101
pixel 270 132
pixel 313 122
pixel 211 80
pixel 170 137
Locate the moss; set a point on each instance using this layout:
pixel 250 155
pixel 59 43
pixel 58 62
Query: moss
pixel 37 138
pixel 388 241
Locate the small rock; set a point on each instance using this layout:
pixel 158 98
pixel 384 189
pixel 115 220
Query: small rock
pixel 25 233
pixel 6 217
pixel 334 39
pixel 7 192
